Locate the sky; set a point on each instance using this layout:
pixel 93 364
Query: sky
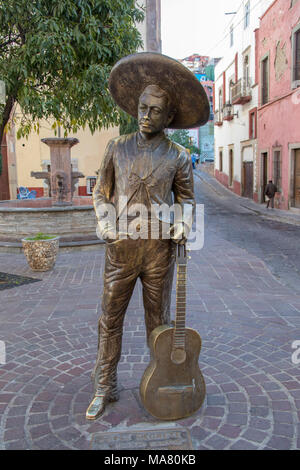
pixel 195 26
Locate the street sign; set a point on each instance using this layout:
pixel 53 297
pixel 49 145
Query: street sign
pixel 2 92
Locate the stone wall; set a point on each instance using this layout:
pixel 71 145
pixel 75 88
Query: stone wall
pixel 71 224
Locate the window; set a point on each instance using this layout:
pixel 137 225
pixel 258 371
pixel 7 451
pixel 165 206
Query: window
pixel 231 84
pixel 277 169
pixel 90 183
pixel 293 3
pixel 247 15
pixel 246 70
pixel 296 57
pixel 265 80
pixel 253 124
pixel 231 35
pixel 221 160
pixel 220 104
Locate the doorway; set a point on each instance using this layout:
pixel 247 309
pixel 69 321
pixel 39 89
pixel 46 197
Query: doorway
pixel 248 179
pixel 4 180
pixel 230 182
pixel 297 179
pixel 264 174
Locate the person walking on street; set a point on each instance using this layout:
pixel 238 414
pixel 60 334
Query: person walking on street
pixel 270 193
pixel 194 161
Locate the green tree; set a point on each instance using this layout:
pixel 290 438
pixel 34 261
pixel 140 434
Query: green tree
pixel 182 137
pixel 128 124
pixel 56 56
pixel 210 72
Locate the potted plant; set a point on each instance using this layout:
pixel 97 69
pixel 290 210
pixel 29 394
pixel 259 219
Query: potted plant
pixel 41 251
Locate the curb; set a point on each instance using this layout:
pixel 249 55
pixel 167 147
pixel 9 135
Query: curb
pixel 257 210
pixel 15 247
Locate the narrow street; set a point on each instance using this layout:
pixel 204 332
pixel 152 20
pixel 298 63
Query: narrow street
pixel 275 243
pixel 244 300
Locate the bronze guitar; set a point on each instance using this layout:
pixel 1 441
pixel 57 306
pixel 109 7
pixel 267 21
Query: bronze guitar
pixel 172 386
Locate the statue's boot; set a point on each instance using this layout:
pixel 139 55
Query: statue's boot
pixel 104 394
pixel 104 375
pixel 98 404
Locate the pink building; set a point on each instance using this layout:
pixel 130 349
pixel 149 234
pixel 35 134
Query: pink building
pixel 278 127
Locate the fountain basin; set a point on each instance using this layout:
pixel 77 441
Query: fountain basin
pixel 74 224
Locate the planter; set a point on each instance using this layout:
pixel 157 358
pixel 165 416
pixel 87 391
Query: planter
pixel 41 254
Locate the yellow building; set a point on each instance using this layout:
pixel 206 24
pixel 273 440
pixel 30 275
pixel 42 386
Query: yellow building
pixel 34 155
pixel 27 155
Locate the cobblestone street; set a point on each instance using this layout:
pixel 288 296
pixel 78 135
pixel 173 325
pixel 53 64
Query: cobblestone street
pixel 244 300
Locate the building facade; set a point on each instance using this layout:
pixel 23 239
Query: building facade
pixel 236 102
pixel 203 69
pixel 278 70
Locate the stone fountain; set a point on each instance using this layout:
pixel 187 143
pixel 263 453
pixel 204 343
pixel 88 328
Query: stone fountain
pixel 63 213
pixel 60 179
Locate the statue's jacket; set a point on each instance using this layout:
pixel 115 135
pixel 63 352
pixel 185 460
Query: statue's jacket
pixel 136 172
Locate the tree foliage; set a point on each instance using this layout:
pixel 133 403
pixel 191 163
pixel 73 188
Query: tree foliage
pixel 56 56
pixel 182 137
pixel 128 124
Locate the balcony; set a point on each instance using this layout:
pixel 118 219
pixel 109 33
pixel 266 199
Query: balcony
pixel 218 118
pixel 241 91
pixel 228 112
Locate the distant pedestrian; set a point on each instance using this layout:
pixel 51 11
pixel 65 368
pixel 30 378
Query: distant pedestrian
pixel 194 161
pixel 270 193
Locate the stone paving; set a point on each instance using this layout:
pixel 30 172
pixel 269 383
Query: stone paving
pixel 247 320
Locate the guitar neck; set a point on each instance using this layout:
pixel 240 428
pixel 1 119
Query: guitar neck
pixel 179 330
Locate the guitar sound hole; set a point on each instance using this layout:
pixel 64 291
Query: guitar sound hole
pixel 178 356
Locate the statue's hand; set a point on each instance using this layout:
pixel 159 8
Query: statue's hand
pixel 177 233
pixel 109 236
pixel 106 231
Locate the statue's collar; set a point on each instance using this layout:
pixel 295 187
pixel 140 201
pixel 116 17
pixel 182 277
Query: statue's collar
pixel 151 144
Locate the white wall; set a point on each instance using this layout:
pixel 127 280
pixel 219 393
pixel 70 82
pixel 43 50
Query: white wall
pixel 142 26
pixel 236 132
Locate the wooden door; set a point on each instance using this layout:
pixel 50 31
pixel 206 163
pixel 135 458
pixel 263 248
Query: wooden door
pixel 264 157
pixel 297 178
pixel 4 184
pixel 248 180
pixel 230 183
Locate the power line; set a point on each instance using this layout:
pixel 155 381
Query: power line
pixel 228 33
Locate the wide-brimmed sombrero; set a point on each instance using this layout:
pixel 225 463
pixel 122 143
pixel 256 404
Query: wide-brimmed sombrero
pixel 132 74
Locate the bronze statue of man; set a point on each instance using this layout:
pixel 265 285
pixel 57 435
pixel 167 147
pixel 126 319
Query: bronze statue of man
pixel 143 168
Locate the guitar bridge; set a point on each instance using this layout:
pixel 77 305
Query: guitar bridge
pixel 176 389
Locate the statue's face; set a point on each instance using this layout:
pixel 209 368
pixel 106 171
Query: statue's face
pixel 153 113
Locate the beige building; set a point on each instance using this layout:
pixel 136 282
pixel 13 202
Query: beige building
pixel 33 155
pixel 27 155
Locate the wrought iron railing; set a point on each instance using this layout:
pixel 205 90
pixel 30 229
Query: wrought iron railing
pixel 218 117
pixel 228 111
pixel 241 89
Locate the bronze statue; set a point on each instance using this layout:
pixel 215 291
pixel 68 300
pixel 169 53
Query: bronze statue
pixel 143 168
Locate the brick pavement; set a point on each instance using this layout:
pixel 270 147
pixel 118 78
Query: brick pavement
pixel 247 321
